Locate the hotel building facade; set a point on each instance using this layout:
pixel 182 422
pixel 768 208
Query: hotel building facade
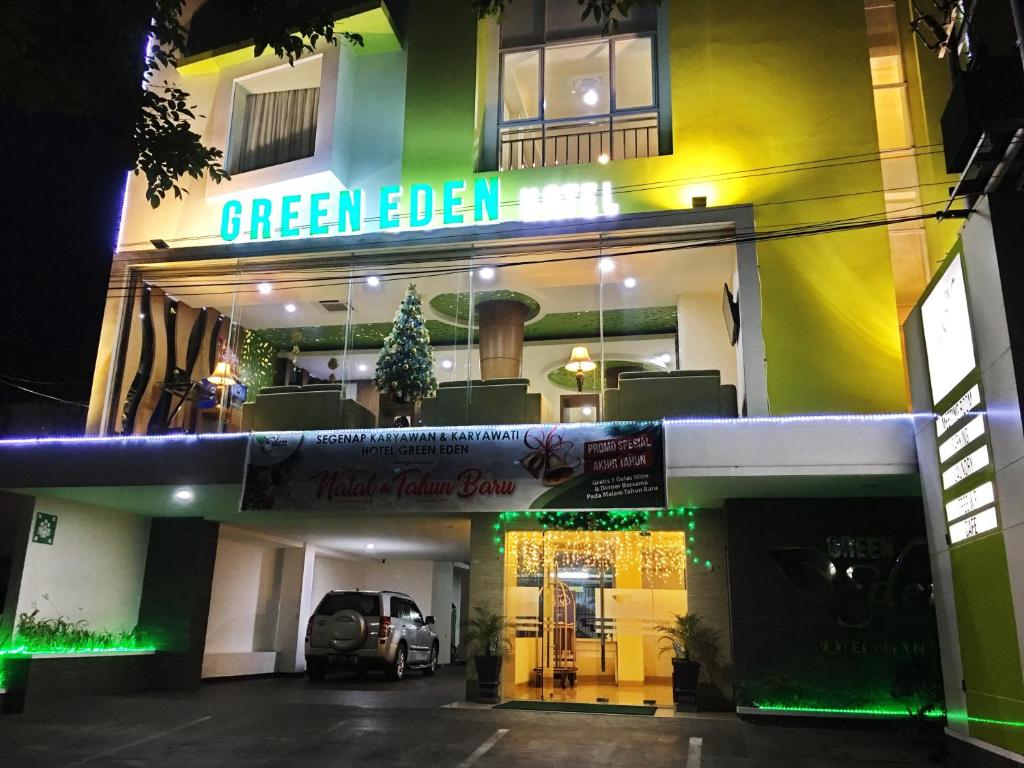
pixel 689 285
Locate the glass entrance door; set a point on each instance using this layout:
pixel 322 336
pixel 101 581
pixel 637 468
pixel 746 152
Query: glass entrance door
pixel 585 605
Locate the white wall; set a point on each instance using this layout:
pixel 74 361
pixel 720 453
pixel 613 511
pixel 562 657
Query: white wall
pixel 92 571
pixel 703 341
pixel 335 573
pixel 244 598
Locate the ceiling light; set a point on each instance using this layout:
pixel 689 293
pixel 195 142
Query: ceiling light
pixel 665 358
pixel 606 265
pixel 264 288
pixel 373 281
pixel 446 364
pixel 289 307
pixel 487 273
pixel 371 546
pixel 603 158
pixel 587 410
pixel 590 97
pixel 629 282
pixel 184 495
pixel 362 367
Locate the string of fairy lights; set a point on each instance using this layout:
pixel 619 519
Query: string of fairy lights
pixel 603 541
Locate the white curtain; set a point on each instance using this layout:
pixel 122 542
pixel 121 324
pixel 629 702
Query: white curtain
pixel 278 126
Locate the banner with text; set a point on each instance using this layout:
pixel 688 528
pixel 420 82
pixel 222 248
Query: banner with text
pixel 617 465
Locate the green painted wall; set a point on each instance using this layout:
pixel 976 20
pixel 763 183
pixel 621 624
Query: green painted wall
pixel 987 627
pixel 789 85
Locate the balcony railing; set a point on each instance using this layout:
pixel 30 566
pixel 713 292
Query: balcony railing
pixel 574 142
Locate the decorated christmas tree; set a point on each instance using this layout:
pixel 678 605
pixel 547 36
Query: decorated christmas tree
pixel 405 367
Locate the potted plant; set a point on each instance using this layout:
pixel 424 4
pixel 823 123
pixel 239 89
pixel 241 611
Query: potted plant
pixel 695 645
pixel 488 642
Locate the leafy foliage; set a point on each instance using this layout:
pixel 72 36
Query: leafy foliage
pixel 405 367
pixel 692 639
pixel 917 685
pixel 60 634
pixel 487 634
pixel 606 13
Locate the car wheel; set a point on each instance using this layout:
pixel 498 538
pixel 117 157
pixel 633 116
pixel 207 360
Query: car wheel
pixel 316 669
pixel 397 671
pixel 431 667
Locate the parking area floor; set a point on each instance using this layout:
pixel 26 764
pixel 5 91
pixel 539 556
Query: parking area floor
pixel 345 722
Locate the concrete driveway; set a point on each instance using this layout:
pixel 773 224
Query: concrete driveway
pixel 344 722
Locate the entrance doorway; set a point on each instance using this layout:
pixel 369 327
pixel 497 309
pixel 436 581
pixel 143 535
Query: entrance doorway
pixel 585 606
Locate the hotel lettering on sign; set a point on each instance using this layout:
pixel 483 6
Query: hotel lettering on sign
pixel 961 423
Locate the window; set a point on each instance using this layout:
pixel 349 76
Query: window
pixel 578 103
pixel 414 612
pixel 364 604
pixel 400 608
pixel 274 118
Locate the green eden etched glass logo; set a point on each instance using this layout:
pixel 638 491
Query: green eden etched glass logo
pixel 45 528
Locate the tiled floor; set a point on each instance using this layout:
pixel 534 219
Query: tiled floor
pixel 590 693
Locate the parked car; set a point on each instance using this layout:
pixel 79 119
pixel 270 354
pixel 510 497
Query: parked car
pixel 369 630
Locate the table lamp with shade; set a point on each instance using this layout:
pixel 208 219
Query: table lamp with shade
pixel 222 375
pixel 580 364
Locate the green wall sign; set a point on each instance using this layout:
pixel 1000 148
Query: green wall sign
pixel 45 528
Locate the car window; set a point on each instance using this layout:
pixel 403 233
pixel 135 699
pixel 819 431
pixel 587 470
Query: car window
pixel 399 608
pixel 414 612
pixel 361 602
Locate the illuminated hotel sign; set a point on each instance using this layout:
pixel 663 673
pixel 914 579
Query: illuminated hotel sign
pixel 454 203
pixel 961 430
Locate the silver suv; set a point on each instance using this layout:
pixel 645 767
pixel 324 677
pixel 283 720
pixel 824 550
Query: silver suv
pixel 369 630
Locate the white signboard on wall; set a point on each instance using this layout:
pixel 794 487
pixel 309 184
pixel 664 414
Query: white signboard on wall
pixel 947 332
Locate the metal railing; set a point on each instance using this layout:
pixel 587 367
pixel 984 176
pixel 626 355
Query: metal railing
pixel 573 143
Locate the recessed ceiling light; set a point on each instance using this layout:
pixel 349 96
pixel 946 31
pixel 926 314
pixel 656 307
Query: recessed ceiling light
pixel 629 282
pixel 446 364
pixel 373 281
pixel 590 97
pixel 487 273
pixel 606 265
pixel 362 367
pixel 371 546
pixel 264 288
pixel 184 495
pixel 665 358
pixel 603 158
pixel 289 307
pixel 587 410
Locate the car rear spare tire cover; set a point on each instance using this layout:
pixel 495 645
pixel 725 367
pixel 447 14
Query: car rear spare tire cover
pixel 348 630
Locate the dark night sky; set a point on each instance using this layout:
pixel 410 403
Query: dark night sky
pixel 60 185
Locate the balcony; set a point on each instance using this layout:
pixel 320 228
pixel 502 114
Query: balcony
pixel 574 142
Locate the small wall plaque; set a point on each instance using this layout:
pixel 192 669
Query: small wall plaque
pixel 45 528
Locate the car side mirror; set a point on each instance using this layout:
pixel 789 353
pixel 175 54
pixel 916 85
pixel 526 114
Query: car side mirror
pixel 429 620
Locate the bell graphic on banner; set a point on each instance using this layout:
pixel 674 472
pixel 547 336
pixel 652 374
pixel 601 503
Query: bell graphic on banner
pixel 556 471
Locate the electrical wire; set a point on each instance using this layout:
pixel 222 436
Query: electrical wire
pixel 3 380
pixel 44 383
pixel 725 176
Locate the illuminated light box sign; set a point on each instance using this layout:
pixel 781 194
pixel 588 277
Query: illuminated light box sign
pixel 983 522
pixel 454 203
pixel 961 430
pixel 971 501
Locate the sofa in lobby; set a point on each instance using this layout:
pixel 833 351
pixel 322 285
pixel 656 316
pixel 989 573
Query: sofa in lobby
pixel 481 402
pixel 314 406
pixel 644 395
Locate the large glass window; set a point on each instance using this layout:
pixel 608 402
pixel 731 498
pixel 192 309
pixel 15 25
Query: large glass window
pixel 578 103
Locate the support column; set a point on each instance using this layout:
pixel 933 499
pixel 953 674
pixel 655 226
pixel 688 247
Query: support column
pixel 442 594
pixel 15 524
pixel 296 608
pixel 501 338
pixel 486 584
pixel 175 604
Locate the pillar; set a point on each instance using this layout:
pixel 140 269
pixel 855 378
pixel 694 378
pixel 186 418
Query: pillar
pixel 486 583
pixel 295 608
pixel 501 338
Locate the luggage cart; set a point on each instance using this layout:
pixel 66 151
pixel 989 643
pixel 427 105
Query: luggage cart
pixel 564 635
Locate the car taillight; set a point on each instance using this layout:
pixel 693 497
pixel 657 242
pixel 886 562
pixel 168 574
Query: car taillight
pixel 309 627
pixel 385 628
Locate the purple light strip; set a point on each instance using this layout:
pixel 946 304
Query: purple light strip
pixel 76 439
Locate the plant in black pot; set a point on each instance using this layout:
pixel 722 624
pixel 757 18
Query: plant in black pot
pixel 695 646
pixel 489 643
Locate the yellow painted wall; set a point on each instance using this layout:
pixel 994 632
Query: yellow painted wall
pixel 753 87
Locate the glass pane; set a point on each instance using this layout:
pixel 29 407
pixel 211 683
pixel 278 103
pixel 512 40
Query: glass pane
pixel 634 73
pixel 520 88
pixel 572 143
pixel 893 118
pixel 635 136
pixel 521 147
pixel 884 45
pixel 576 81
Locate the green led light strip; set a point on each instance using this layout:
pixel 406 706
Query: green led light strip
pixel 25 650
pixel 991 721
pixel 879 711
